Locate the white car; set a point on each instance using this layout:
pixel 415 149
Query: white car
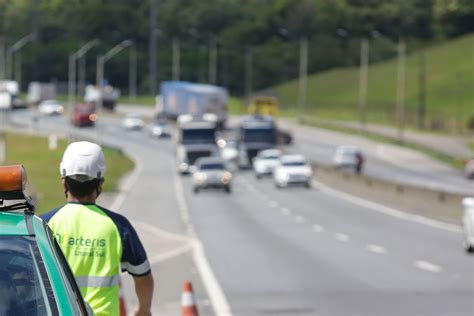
pixel 133 122
pixel 265 162
pixel 468 224
pixel 211 173
pixel 160 129
pixel 50 107
pixel 228 150
pixel 348 157
pixel 469 169
pixel 292 169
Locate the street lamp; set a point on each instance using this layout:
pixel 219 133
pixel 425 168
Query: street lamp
pixel 78 55
pixel 303 70
pixel 213 59
pixel 15 49
pixel 363 72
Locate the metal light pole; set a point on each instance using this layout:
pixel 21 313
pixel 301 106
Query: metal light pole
pixel 176 50
pixel 72 71
pixel 303 80
pixel 132 74
pixel 81 57
pixel 212 59
pixel 2 58
pixel 152 42
pixel 248 72
pixel 101 60
pixel 15 48
pixel 363 81
pixel 401 88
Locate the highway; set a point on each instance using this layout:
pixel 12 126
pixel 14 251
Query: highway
pixel 263 251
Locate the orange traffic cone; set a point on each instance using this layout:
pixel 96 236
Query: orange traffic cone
pixel 188 303
pixel 123 309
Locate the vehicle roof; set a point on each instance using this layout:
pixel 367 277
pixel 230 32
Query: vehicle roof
pixel 293 158
pixel 257 122
pixel 198 125
pixel 13 223
pixel 209 160
pixel 270 152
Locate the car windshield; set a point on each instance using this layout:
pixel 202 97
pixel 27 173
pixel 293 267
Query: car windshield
pixel 255 135
pixel 294 164
pixel 24 289
pixel 197 136
pixel 212 166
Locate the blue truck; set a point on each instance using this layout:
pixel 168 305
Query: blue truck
pixel 180 97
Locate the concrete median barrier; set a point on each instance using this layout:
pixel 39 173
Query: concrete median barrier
pixel 431 203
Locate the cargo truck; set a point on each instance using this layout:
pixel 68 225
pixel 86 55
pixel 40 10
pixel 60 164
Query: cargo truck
pixel 256 133
pixel 195 139
pixel 40 91
pixel 108 94
pixel 9 95
pixel 179 97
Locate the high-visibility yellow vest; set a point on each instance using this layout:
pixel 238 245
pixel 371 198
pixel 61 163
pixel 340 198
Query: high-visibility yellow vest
pixel 92 246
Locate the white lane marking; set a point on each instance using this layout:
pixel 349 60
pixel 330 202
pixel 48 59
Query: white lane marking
pixel 285 211
pixel 273 204
pixel 179 193
pixel 376 249
pixel 219 302
pixel 428 266
pixel 341 237
pixel 128 184
pixel 299 219
pixel 386 210
pixel 318 228
pixel 170 254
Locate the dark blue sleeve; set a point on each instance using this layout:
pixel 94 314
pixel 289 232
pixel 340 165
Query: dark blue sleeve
pixel 134 258
pixel 47 216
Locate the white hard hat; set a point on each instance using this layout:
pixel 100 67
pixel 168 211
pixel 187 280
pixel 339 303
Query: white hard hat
pixel 83 161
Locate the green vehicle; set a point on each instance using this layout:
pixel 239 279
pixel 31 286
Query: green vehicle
pixel 35 278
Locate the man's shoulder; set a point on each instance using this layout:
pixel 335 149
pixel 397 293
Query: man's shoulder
pixel 48 215
pixel 120 220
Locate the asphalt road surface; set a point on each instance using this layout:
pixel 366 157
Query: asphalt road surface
pixel 296 251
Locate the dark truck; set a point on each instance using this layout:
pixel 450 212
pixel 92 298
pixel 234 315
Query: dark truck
pixel 255 133
pixel 196 139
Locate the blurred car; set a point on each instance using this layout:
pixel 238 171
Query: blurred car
pixel 160 129
pixel 469 169
pixel 35 278
pixel 83 114
pixel 348 157
pixel 265 162
pixel 211 172
pixel 133 121
pixel 228 149
pixel 468 224
pixel 292 170
pixel 50 107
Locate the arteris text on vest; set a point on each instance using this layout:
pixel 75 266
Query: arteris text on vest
pixel 81 241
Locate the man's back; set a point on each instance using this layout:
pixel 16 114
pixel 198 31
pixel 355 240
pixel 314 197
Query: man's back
pixel 96 242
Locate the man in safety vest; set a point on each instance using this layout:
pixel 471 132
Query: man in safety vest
pixel 96 242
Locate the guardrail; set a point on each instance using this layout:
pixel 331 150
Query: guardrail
pixel 436 204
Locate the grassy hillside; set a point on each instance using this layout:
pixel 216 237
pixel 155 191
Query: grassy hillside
pixel 449 88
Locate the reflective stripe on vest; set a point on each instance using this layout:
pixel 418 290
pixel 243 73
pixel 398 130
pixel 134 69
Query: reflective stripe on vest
pixel 92 245
pixel 96 281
